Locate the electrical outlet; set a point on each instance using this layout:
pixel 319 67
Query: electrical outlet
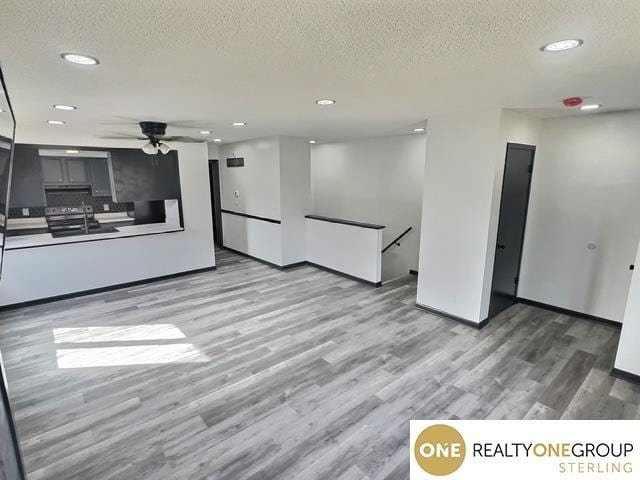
pixel 25 212
pixel 105 207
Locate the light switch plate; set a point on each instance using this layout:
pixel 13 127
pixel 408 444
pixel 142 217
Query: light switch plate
pixel 25 212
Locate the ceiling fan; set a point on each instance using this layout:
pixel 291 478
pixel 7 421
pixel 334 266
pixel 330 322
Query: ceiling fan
pixel 155 133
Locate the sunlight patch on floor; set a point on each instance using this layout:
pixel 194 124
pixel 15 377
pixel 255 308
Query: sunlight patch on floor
pixel 171 349
pixel 130 355
pixel 123 333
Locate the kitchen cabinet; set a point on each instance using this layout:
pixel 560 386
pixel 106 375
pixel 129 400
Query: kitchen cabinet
pixel 141 177
pixel 65 171
pixel 27 189
pixel 52 170
pixel 77 170
pixel 100 177
pixel 129 175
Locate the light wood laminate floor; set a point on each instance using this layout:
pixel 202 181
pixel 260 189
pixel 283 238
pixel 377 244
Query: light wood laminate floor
pixel 253 373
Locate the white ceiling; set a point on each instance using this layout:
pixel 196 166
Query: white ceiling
pixel 389 63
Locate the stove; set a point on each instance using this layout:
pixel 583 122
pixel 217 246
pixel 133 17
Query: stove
pixel 73 220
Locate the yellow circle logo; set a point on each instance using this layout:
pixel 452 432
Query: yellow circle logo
pixel 440 450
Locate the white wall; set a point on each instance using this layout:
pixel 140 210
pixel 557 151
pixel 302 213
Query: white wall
pixel 257 238
pixel 628 358
pixel 585 189
pixel 345 248
pixel 295 196
pixel 460 211
pixel 214 151
pixel 456 211
pixel 257 183
pixel 258 188
pixel 42 272
pixel 274 183
pixel 377 180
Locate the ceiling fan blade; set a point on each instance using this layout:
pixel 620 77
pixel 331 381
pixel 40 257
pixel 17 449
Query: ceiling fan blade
pixel 183 139
pixel 122 137
pixel 123 121
pixel 186 124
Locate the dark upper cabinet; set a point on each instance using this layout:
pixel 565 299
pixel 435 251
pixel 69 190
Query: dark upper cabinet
pixel 129 175
pixel 52 170
pixel 100 177
pixel 27 189
pixel 77 170
pixel 137 176
pixel 65 171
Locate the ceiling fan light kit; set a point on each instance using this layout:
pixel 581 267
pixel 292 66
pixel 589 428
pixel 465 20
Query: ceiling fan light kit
pixel 154 131
pixel 150 149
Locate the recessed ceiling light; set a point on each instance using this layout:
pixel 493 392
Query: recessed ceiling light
pixel 217 140
pixel 593 106
pixel 79 59
pixel 562 45
pixel 239 124
pixel 312 141
pixel 64 107
pixel 55 122
pixel 418 130
pixel 325 101
pixel 205 132
pixel 72 151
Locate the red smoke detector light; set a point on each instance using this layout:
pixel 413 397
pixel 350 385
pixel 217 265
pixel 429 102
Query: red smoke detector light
pixel 572 101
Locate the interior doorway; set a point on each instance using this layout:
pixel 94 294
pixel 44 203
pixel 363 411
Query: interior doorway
pixel 214 182
pixel 514 205
pixel 11 467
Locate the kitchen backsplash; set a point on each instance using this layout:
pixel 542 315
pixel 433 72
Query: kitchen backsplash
pixel 73 197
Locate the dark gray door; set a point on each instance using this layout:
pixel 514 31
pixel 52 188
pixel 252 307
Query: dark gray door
pixel 214 180
pixel 513 217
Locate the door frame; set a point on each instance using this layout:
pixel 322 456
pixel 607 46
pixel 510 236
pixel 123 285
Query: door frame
pixel 532 149
pixel 4 395
pixel 216 207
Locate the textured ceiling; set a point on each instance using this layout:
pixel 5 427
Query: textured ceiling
pixel 389 64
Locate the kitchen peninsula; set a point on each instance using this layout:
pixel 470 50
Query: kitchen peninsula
pixel 14 242
pixel 149 218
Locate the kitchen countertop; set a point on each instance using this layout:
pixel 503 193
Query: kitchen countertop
pixel 29 223
pixel 46 239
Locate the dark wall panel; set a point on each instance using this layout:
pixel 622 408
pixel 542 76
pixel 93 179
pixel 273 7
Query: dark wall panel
pixel 137 176
pixel 27 188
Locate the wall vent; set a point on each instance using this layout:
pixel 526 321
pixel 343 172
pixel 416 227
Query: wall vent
pixel 235 162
